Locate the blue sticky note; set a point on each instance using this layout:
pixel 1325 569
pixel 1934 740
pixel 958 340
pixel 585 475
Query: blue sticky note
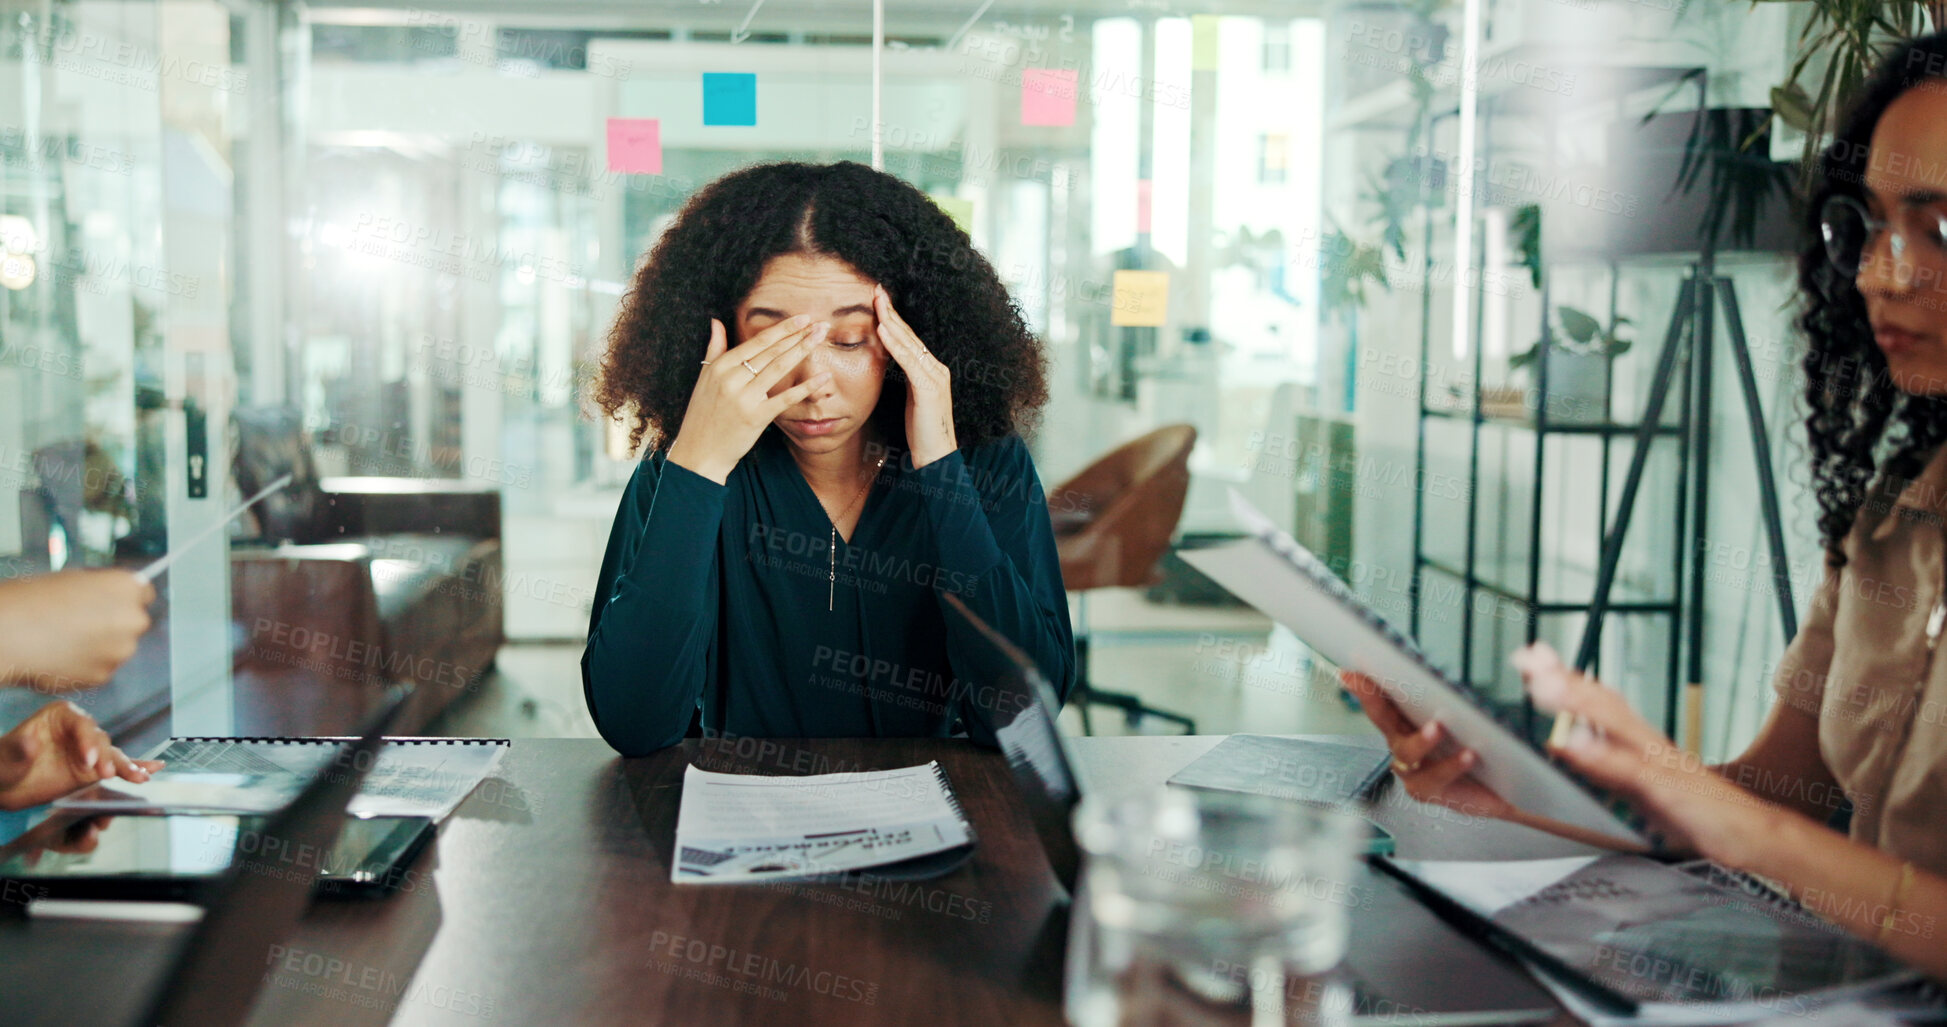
pixel 729 98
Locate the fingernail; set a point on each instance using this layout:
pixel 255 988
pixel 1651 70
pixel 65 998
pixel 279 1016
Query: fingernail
pixel 88 758
pixel 1546 688
pixel 821 329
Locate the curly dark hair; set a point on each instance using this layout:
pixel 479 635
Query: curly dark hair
pixel 885 229
pixel 1859 423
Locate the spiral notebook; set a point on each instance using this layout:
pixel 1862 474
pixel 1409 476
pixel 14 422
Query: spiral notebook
pixel 412 777
pixel 1651 939
pixel 903 823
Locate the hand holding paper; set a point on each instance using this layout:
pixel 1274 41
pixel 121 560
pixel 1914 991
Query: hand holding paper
pixel 1693 806
pixel 71 630
pixel 1429 764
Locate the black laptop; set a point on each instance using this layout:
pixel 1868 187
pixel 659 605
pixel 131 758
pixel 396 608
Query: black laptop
pixel 1018 706
pixel 1408 967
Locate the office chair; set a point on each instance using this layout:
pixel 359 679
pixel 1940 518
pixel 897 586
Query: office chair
pixel 1113 521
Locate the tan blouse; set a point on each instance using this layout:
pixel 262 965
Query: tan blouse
pixel 1865 662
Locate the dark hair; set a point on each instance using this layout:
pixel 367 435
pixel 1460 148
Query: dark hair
pixel 888 231
pixel 1858 422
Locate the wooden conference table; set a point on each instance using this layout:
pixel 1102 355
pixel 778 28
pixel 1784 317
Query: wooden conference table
pixel 547 899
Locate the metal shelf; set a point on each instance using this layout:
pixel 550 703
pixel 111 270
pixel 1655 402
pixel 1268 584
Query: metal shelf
pixel 1547 428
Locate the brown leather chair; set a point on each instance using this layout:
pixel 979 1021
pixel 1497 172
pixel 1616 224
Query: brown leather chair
pixel 353 584
pixel 1113 522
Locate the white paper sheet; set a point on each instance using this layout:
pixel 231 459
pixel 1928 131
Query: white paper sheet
pixel 1875 1011
pixel 258 776
pixel 1285 582
pixel 747 827
pixel 1489 886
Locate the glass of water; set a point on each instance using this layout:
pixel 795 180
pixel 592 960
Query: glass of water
pixel 1211 908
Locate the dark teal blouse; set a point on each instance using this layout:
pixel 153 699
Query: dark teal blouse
pixel 713 597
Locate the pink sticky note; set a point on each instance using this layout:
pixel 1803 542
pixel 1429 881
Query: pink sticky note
pixel 635 146
pixel 1144 196
pixel 1048 96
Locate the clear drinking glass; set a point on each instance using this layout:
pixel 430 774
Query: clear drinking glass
pixel 1211 908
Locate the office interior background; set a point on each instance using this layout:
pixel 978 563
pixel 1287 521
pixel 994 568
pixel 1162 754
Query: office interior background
pixel 381 245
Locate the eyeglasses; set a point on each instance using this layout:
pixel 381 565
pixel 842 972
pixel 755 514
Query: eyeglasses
pixel 1849 230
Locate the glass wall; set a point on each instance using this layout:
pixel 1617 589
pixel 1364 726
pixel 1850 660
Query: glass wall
pixel 378 247
pixel 116 207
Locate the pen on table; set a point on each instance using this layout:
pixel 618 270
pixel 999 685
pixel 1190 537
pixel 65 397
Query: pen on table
pixel 149 573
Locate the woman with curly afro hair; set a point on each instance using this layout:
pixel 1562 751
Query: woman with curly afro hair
pixel 1861 719
pixel 832 386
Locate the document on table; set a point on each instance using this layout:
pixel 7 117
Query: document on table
pixel 414 777
pixel 748 827
pixel 1684 944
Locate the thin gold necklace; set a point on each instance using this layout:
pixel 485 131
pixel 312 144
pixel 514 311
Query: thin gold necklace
pixel 831 547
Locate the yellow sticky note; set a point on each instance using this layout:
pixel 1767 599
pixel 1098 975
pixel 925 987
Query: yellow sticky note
pixel 961 211
pixel 1142 299
pixel 1203 42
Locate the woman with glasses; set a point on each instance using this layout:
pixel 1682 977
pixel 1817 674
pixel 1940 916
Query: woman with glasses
pixel 1862 713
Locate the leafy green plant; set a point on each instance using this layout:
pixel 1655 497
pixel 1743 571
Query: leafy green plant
pixel 1744 184
pixel 1578 333
pixel 1525 227
pixel 1346 267
pixel 1416 179
pixel 1837 48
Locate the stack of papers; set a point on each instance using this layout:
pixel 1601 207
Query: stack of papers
pixel 745 827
